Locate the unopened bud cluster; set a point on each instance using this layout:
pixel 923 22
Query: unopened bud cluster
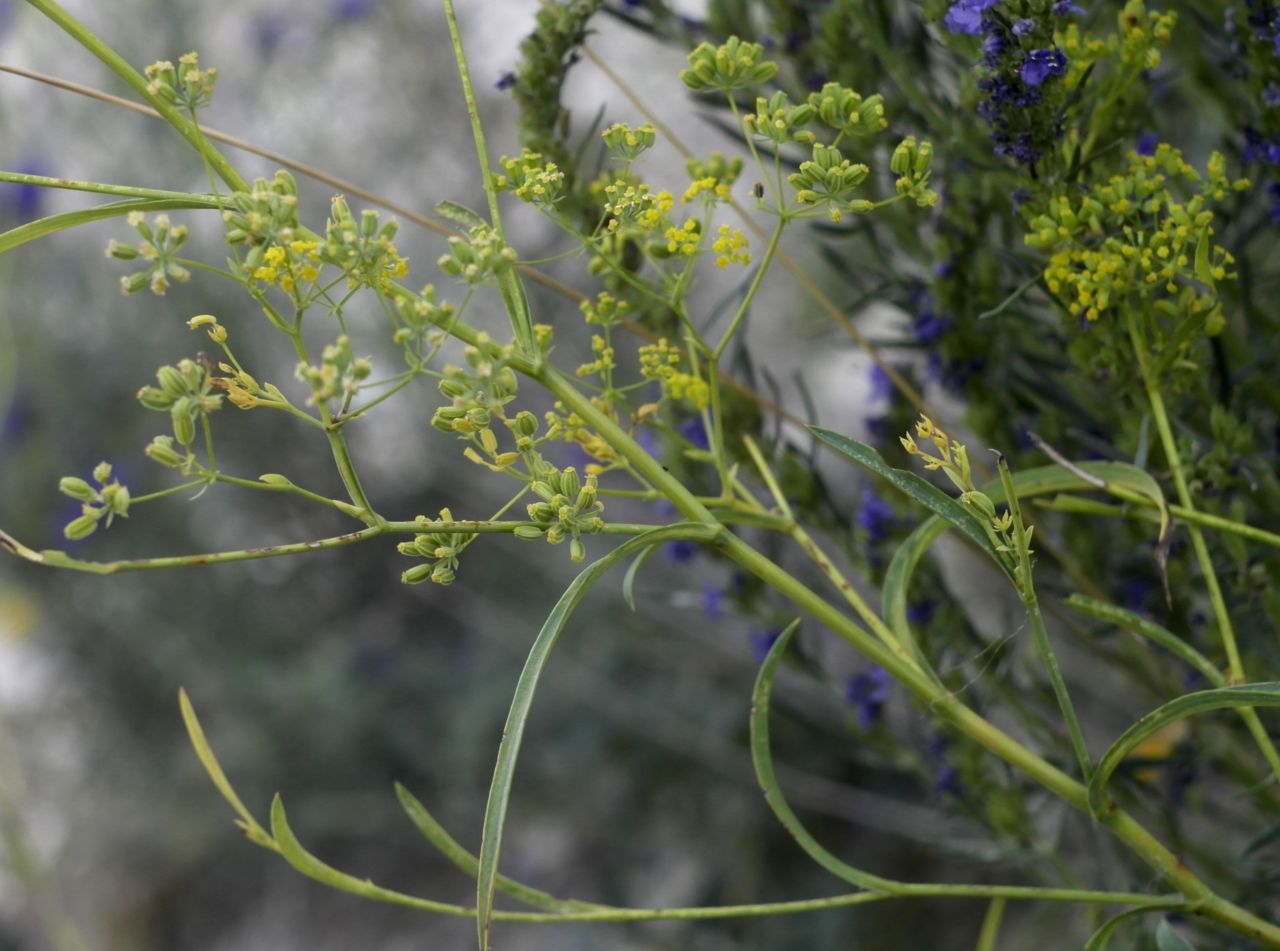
pixel 185 392
pixel 105 502
pixel 265 216
pixel 540 184
pixel 911 161
pixel 477 258
pixel 628 143
pixel 160 242
pixel 421 314
pixel 363 249
pixel 567 508
pixel 442 548
pixel 188 86
pixel 478 391
pixel 730 66
pixel 829 178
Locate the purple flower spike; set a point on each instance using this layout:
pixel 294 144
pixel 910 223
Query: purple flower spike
pixel 1023 27
pixel 1147 143
pixel 965 16
pixel 505 81
pixel 1066 8
pixel 1042 64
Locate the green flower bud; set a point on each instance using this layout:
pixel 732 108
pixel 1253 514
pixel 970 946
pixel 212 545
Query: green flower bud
pixel 77 489
pixel 528 531
pixel 82 527
pixel 172 382
pixel 161 450
pixel 184 424
pixel 417 574
pixel 133 283
pixel 442 574
pixel 102 472
pixel 577 551
pixel 123 252
pixel 569 482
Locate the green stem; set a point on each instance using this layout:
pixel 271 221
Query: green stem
pixel 1027 591
pixel 770 251
pixel 1235 667
pixel 1071 503
pixel 117 64
pixel 473 112
pixel 942 702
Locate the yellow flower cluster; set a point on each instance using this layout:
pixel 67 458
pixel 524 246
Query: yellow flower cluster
pixel 709 187
pixel 605 310
pixel 683 240
pixel 1131 234
pixel 570 427
pixel 659 361
pixel 635 205
pixel 603 361
pixel 286 265
pixel 1134 46
pixel 730 247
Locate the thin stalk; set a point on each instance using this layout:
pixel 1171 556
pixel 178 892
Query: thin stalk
pixel 1235 666
pixel 1027 591
pixel 473 112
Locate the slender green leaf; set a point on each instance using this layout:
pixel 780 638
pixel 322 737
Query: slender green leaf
pixel 897 582
pixel 495 814
pixel 459 213
pixel 629 579
pixel 43 227
pixel 313 868
pixel 204 751
pixel 450 848
pixel 762 759
pixel 1151 631
pixel 1101 938
pixel 990 933
pixel 1244 695
pixel 1204 272
pixel 923 491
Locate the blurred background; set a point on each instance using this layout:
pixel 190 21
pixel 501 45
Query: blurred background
pixel 323 677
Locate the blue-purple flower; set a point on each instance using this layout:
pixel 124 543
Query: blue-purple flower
pixel 965 16
pixel 505 81
pixel 874 515
pixel 1043 64
pixel 1147 143
pixel 713 603
pixel 868 690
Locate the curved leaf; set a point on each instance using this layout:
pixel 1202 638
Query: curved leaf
pixel 923 491
pixel 1154 632
pixel 629 579
pixel 897 581
pixel 762 759
pixel 204 751
pixel 43 227
pixel 495 813
pixel 436 834
pixel 1244 695
pixel 313 868
pixel 1169 940
pixel 1101 938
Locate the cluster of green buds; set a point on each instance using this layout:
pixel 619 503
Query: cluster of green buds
pixel 539 183
pixel 1132 235
pixel 185 393
pixel 727 67
pixel 188 86
pixel 160 243
pixel 715 166
pixel 477 392
pixel 829 178
pixel 847 112
pixel 422 315
pixel 365 251
pixel 265 216
pixel 951 458
pixel 567 508
pixel 105 502
pixel 780 120
pixel 628 143
pixel 910 162
pixel 477 258
pixel 339 374
pixel 441 547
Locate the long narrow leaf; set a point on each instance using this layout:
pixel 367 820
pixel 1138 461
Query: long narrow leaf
pixel 1244 695
pixel 313 868
pixel 1101 938
pixel 1150 630
pixel 451 849
pixel 762 759
pixel 495 814
pixel 43 227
